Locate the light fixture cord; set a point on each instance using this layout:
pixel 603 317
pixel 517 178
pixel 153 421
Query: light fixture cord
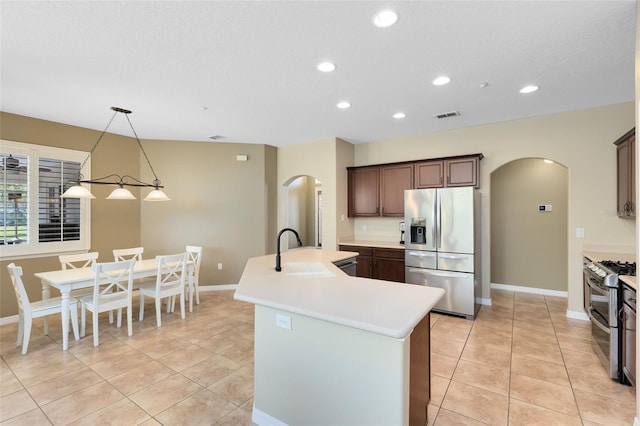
pixel 143 151
pixel 98 141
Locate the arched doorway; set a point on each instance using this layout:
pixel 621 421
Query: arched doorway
pixel 529 242
pixel 302 204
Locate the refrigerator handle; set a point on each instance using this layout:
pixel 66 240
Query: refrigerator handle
pixel 433 222
pixel 439 219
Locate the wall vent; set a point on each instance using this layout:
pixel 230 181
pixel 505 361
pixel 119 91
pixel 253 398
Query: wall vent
pixel 447 114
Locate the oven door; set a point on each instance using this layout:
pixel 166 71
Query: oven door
pixel 604 341
pixel 602 300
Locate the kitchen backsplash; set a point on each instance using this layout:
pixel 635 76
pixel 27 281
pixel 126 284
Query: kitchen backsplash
pixel 377 229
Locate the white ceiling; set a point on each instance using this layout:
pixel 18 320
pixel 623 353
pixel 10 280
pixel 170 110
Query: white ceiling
pixel 253 65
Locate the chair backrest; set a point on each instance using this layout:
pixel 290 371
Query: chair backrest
pixel 128 253
pixel 112 278
pixel 74 261
pixel 15 272
pixel 171 271
pixel 194 255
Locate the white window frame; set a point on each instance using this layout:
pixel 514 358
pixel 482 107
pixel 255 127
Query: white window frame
pixel 34 248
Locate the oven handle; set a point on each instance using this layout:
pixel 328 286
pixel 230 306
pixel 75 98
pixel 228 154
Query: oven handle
pixel 596 288
pixel 597 323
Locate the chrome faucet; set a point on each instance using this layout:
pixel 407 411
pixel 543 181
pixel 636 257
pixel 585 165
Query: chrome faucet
pixel 278 267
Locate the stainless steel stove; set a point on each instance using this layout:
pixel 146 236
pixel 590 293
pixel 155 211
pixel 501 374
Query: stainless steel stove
pixel 602 290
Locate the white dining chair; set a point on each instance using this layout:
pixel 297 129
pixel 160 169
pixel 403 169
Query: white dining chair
pixel 194 256
pixel 27 310
pixel 75 261
pixel 170 281
pixel 134 253
pixel 112 289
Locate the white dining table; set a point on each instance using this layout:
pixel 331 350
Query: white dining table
pixel 73 279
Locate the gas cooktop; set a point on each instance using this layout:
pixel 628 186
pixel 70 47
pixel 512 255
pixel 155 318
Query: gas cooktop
pixel 620 268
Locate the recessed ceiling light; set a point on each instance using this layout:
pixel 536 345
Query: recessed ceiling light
pixel 483 84
pixel 529 89
pixel 441 81
pixel 399 115
pixel 546 160
pixel 385 18
pixel 203 108
pixel 343 105
pixel 326 67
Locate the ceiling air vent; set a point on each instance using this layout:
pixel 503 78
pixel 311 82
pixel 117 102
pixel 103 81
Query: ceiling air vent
pixel 447 114
pixel 216 137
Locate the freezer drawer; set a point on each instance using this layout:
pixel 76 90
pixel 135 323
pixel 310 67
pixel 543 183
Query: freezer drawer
pixel 459 295
pixel 455 262
pixel 420 258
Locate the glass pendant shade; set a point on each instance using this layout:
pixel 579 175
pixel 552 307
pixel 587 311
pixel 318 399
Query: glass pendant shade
pixel 157 195
pixel 77 191
pixel 121 194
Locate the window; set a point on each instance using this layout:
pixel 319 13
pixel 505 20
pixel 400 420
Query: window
pixel 34 220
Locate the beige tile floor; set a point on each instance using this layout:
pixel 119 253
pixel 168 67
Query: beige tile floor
pixel 522 362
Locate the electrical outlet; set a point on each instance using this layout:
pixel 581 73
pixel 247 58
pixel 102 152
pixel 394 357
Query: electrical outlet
pixel 219 266
pixel 283 321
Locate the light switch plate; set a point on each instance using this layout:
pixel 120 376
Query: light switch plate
pixel 283 321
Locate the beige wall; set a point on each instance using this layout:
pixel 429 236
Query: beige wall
pixel 216 202
pixel 581 140
pixel 523 238
pixel 114 224
pixel 320 160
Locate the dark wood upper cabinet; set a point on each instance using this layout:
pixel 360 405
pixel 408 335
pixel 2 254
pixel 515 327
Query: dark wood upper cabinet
pixel 626 168
pixel 429 174
pixel 378 190
pixel 447 173
pixel 462 172
pixel 393 181
pixel 364 191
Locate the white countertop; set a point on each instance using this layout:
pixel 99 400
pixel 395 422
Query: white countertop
pixel 599 256
pixel 380 244
pixel 631 281
pixel 382 307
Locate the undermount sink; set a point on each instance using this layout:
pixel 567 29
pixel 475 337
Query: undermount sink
pixel 307 270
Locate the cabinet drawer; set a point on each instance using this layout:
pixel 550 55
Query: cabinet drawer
pixel 629 296
pixel 362 251
pixel 389 253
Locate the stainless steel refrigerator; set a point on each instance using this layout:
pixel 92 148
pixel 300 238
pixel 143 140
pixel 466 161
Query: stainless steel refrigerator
pixel 442 245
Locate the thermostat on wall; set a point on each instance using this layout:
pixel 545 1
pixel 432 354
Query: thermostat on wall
pixel 545 207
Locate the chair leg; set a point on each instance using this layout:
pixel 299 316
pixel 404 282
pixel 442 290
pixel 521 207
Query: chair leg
pixel 197 288
pixel 83 320
pixel 170 300
pixel 119 324
pixel 74 320
pixel 27 334
pixel 95 329
pixel 141 316
pixel 20 329
pixel 158 311
pixel 110 317
pixel 182 305
pixel 190 297
pixel 130 319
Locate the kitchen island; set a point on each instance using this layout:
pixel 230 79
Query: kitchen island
pixel 335 349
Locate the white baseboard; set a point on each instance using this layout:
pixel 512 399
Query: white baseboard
pixel 577 315
pixel 218 287
pixel 8 320
pixel 532 290
pixel 263 419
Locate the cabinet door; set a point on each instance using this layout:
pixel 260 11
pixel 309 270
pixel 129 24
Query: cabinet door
pixel 462 172
pixel 429 174
pixel 389 269
pixel 393 181
pixel 364 191
pixel 625 154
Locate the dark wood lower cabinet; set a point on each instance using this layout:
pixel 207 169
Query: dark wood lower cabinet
pixel 378 263
pixel 419 373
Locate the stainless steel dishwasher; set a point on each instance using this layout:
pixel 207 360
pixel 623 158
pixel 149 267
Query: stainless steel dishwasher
pixel 348 266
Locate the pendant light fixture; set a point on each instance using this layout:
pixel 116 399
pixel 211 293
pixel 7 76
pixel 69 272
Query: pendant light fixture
pixel 120 193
